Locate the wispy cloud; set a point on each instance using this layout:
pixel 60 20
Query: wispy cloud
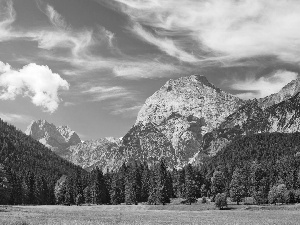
pixel 37 82
pixel 109 93
pixel 15 118
pixel 264 86
pixel 145 69
pixel 126 112
pixel 7 17
pixel 164 44
pixel 220 30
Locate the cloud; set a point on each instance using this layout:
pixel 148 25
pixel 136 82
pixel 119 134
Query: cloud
pixel 126 112
pixel 164 44
pixel 7 17
pixel 15 118
pixel 37 82
pixel 264 86
pixel 220 30
pixel 145 69
pixel 109 93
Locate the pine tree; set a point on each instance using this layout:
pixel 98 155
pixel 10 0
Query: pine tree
pixel 132 185
pixel 5 186
pixel 99 188
pixel 60 190
pixel 145 183
pixel 25 192
pixel 218 183
pixel 116 190
pixel 87 195
pixel 190 184
pixel 159 193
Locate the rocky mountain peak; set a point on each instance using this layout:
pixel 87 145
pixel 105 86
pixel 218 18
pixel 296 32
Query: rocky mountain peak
pixel 185 109
pixel 285 93
pixel 56 138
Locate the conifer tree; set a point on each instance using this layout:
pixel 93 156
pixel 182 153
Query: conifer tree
pixel 132 184
pixel 190 184
pixel 145 183
pixel 5 186
pixel 87 195
pixel 218 183
pixel 116 190
pixel 159 193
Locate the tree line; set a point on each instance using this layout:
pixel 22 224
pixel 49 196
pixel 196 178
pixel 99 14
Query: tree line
pixel 265 167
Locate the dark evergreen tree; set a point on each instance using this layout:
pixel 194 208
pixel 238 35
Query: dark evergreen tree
pixel 159 192
pixel 5 186
pixel 218 183
pixel 190 184
pixel 145 183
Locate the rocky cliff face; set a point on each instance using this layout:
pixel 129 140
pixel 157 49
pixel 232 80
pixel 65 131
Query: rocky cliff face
pixel 251 118
pixel 285 93
pixel 181 112
pixel 56 138
pixel 67 144
pixel 89 154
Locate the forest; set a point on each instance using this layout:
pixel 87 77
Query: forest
pixel 262 166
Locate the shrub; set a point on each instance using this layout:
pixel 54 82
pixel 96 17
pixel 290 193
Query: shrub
pixel 277 194
pixel 289 197
pixel 297 196
pixel 79 199
pixel 203 200
pixel 221 200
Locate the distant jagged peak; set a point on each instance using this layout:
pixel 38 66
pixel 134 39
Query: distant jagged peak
pixel 51 135
pixel 285 93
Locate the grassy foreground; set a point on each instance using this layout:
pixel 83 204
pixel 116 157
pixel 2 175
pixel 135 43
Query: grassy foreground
pixel 144 214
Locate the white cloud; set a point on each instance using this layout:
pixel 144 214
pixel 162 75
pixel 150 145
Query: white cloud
pixel 7 17
pixel 15 118
pixel 164 44
pixel 264 86
pixel 37 82
pixel 227 30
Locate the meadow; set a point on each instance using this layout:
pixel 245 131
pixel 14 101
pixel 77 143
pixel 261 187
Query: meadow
pixel 146 214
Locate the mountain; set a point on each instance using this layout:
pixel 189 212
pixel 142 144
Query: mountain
pixel 90 154
pixel 23 155
pixel 251 118
pixel 67 144
pixel 56 138
pixel 285 93
pixel 179 114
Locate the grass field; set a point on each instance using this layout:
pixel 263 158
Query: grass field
pixel 144 214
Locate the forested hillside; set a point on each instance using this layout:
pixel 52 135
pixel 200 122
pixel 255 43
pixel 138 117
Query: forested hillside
pixel 30 166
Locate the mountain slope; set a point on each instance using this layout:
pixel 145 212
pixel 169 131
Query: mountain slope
pixel 90 154
pixel 67 144
pixel 23 154
pixel 283 117
pixel 180 113
pixel 285 93
pixel 55 138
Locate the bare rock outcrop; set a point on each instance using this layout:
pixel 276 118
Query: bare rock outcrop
pixel 185 109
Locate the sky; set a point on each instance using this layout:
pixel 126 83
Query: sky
pixel 91 64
